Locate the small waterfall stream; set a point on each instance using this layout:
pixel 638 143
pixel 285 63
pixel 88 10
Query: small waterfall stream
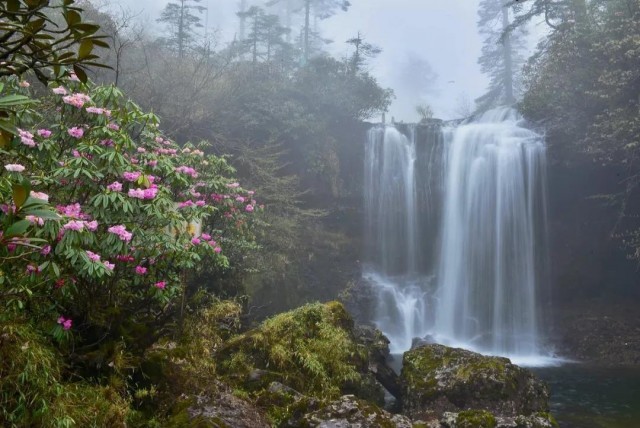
pixel 480 288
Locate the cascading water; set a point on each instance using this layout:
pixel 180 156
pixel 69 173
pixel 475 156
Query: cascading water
pixel 392 232
pixel 490 235
pixel 493 237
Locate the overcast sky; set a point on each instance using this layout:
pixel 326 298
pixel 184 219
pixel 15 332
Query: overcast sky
pixel 413 34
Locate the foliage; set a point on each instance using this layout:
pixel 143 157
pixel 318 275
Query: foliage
pixel 583 84
pixel 44 37
pixel 32 392
pixel 501 57
pixel 181 22
pixel 108 270
pixel 310 349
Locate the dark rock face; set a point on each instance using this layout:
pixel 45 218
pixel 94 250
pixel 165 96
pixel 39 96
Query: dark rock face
pixel 377 346
pixel 437 379
pixel 350 412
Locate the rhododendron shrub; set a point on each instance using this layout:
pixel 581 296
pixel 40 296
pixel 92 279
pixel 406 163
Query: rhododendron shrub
pixel 104 220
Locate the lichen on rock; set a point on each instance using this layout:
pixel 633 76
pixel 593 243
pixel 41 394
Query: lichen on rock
pixel 437 379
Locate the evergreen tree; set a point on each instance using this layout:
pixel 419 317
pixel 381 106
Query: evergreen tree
pixel 501 57
pixel 181 21
pixel 266 34
pixel 362 52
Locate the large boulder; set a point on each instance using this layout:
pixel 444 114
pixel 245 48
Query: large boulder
pixel 350 412
pixel 438 379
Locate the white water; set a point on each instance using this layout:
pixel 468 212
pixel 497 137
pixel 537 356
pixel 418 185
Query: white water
pixel 492 239
pixel 392 231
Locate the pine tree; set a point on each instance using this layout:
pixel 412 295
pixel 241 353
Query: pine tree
pixel 181 22
pixel 266 34
pixel 501 57
pixel 362 52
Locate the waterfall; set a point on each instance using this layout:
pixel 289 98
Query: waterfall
pixel 393 231
pixel 493 237
pixel 463 265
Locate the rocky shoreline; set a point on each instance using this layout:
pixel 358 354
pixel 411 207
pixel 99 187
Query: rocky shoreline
pixel 312 367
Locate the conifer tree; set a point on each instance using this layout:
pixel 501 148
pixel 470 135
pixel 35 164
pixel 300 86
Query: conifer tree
pixel 501 57
pixel 181 19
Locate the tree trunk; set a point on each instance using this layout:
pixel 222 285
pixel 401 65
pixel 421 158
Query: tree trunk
pixel 243 7
pixel 307 14
pixel 508 60
pixel 181 30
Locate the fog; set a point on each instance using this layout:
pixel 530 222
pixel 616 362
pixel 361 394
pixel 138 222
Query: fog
pixel 429 47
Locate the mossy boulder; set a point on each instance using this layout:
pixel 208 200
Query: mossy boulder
pixel 350 412
pixel 438 379
pixel 312 350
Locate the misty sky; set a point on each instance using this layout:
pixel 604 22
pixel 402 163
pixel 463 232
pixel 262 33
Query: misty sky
pixel 413 34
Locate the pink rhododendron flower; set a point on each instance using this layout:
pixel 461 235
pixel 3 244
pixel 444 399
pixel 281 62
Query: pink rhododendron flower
pixel 205 236
pixel 45 250
pixel 249 208
pixel 185 204
pixel 122 232
pixel 150 193
pixel 233 185
pixel 73 210
pixel 107 143
pixel 34 220
pixel 141 150
pixel 76 132
pixel 240 199
pixel 95 110
pixel 75 153
pixel 195 241
pixel 136 193
pixel 65 322
pixel 26 138
pixel 77 100
pixel 14 167
pixel 152 163
pixel 131 176
pixel 160 284
pixel 93 256
pixel 74 225
pixel 140 270
pixel 108 265
pixel 24 84
pixel 113 127
pixel 158 140
pixel 187 170
pixel 59 91
pixel 73 76
pixel 217 250
pixel 92 225
pixel 32 269
pixel 200 203
pixel 115 186
pixel 44 133
pixel 39 195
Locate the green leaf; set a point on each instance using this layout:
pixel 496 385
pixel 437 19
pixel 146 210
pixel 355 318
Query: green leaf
pixel 45 214
pixel 18 228
pixel 80 73
pixel 20 193
pixel 85 49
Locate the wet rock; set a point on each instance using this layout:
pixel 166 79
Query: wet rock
pixel 223 409
pixel 350 412
pixel 438 379
pixel 377 346
pixel 485 419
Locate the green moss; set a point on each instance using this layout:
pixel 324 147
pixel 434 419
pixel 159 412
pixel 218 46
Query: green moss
pixel 476 419
pixel 311 349
pixel 32 392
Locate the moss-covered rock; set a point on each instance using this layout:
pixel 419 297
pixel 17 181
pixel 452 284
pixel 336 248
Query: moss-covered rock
pixel 312 350
pixel 437 379
pixel 348 411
